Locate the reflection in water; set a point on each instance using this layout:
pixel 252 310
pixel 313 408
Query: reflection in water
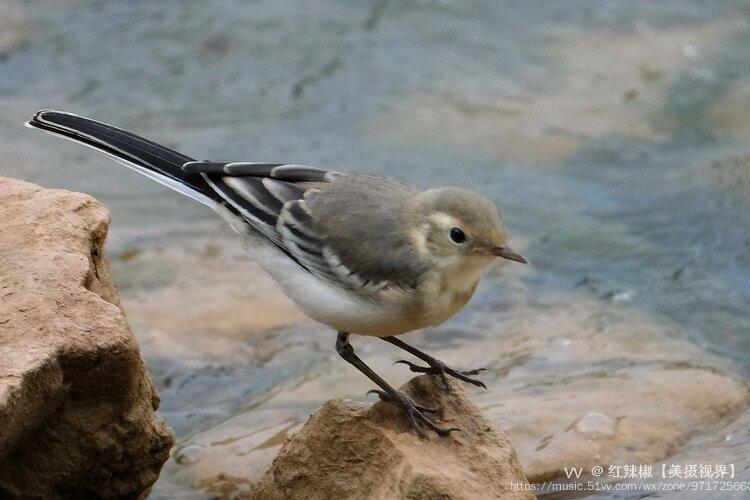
pixel 613 136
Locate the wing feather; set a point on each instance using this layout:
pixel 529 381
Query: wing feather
pixel 280 171
pixel 256 194
pixel 283 191
pixel 272 200
pixel 242 168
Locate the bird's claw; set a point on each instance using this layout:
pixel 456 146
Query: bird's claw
pixel 385 397
pixel 476 371
pixel 415 414
pixel 438 368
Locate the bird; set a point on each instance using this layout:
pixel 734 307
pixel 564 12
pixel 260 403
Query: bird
pixel 362 254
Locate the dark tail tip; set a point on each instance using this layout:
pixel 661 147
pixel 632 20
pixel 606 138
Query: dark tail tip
pixel 43 117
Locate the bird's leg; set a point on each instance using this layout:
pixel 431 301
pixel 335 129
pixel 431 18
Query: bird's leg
pixel 413 412
pixel 385 397
pixel 436 367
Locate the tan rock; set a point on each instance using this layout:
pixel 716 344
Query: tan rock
pixel 353 450
pixel 76 402
pixel 578 383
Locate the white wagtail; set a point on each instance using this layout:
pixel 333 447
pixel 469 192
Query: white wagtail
pixel 362 254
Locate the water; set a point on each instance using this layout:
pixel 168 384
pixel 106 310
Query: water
pixel 612 135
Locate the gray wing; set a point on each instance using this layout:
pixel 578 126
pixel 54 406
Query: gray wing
pixel 275 200
pixel 366 220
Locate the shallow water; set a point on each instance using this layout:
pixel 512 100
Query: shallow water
pixel 612 135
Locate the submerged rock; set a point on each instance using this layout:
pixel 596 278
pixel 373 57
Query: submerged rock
pixel 354 450
pixel 623 391
pixel 76 402
pixel 574 381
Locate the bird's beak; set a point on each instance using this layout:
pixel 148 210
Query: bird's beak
pixel 507 253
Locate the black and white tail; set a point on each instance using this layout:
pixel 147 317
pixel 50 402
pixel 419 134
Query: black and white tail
pixel 261 199
pixel 158 162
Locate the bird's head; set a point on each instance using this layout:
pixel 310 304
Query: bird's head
pixel 456 226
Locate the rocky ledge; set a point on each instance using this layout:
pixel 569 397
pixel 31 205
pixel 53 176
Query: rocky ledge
pixel 354 450
pixel 77 406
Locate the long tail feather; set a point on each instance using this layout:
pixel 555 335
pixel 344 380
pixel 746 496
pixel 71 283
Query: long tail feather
pixel 158 162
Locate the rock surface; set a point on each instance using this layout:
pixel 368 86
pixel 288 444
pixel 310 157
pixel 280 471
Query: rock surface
pixel 574 381
pixel 354 450
pixel 76 402
pixel 558 364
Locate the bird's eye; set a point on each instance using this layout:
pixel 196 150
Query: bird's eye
pixel 457 235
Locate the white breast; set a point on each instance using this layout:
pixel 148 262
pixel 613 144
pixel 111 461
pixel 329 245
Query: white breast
pixel 392 311
pixel 339 308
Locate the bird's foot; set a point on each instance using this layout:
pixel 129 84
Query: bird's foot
pixel 385 397
pixel 439 369
pixel 415 413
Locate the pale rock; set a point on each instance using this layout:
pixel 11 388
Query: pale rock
pixel 354 450
pixel 77 406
